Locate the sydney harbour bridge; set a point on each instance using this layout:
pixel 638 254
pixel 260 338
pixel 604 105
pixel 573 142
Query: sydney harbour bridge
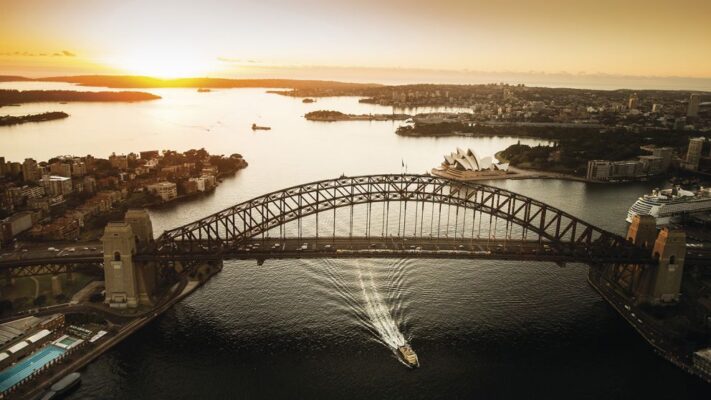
pixel 377 216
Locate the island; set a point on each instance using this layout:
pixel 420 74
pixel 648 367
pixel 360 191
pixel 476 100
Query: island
pixel 9 97
pixel 332 116
pixel 8 120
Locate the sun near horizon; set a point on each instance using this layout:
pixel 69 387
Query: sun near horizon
pixel 170 39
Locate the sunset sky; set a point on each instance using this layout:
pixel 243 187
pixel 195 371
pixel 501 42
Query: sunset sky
pixel 170 38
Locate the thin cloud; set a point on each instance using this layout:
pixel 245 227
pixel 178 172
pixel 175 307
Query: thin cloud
pixel 236 60
pixel 63 53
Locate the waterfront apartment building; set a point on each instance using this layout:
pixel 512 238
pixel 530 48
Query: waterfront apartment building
pixel 605 170
pixel 165 190
pixel 652 165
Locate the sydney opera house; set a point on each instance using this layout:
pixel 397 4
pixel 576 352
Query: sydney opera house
pixel 465 165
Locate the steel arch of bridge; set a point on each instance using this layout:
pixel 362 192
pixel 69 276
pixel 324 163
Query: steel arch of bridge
pixel 226 229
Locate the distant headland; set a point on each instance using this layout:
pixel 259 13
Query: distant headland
pixel 22 119
pixel 8 97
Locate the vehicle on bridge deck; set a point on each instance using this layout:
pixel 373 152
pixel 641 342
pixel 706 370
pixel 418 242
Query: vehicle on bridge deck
pixel 408 356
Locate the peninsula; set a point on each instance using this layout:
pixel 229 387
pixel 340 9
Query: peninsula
pixel 8 97
pixel 8 120
pixel 332 116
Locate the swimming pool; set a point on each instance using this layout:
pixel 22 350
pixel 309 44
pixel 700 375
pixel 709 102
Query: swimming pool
pixel 26 367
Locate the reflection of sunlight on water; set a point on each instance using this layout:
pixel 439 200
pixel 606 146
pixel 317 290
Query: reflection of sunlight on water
pixel 379 315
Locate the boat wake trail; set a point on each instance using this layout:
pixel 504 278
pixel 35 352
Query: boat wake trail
pixel 379 315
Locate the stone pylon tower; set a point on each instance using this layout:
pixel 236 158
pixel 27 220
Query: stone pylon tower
pixel 128 283
pixel 643 230
pixel 119 270
pixel 670 250
pixel 661 283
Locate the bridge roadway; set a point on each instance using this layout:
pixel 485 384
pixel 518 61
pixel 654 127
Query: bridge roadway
pixel 328 247
pixel 387 247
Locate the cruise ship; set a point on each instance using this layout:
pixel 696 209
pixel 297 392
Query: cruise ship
pixel 668 204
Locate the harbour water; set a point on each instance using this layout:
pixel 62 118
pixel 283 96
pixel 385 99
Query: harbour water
pixel 326 328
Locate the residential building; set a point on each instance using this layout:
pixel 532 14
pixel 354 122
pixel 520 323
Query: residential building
pixel 14 225
pixel 598 170
pixel 165 190
pixel 30 171
pixel 120 162
pixel 57 185
pixel 60 169
pixel 79 169
pixel 652 165
pixel 604 170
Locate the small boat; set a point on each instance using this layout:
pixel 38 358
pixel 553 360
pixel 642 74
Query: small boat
pixel 256 127
pixel 203 90
pixel 307 100
pixel 62 386
pixel 408 356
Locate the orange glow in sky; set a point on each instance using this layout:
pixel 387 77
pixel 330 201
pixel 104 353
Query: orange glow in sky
pixel 174 38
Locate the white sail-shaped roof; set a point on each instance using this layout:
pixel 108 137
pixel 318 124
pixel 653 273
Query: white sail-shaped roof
pixel 468 161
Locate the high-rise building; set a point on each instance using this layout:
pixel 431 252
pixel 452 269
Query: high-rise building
pixel 57 185
pixel 656 107
pixel 666 155
pixel 633 102
pixel 60 168
pixel 30 170
pixel 694 101
pixel 693 154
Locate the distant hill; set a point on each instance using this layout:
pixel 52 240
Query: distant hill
pixel 130 81
pixel 13 78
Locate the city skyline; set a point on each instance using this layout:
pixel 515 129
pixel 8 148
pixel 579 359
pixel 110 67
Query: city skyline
pixel 362 40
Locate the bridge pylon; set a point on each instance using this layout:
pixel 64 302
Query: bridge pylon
pixel 128 283
pixel 656 284
pixel 643 231
pixel 664 279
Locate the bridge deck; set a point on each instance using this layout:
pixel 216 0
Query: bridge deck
pixel 390 247
pixel 339 247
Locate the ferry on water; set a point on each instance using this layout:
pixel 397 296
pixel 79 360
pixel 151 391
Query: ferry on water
pixel 408 356
pixel 256 127
pixel 669 204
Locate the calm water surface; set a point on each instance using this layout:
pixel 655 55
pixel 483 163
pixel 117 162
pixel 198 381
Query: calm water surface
pixel 323 328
